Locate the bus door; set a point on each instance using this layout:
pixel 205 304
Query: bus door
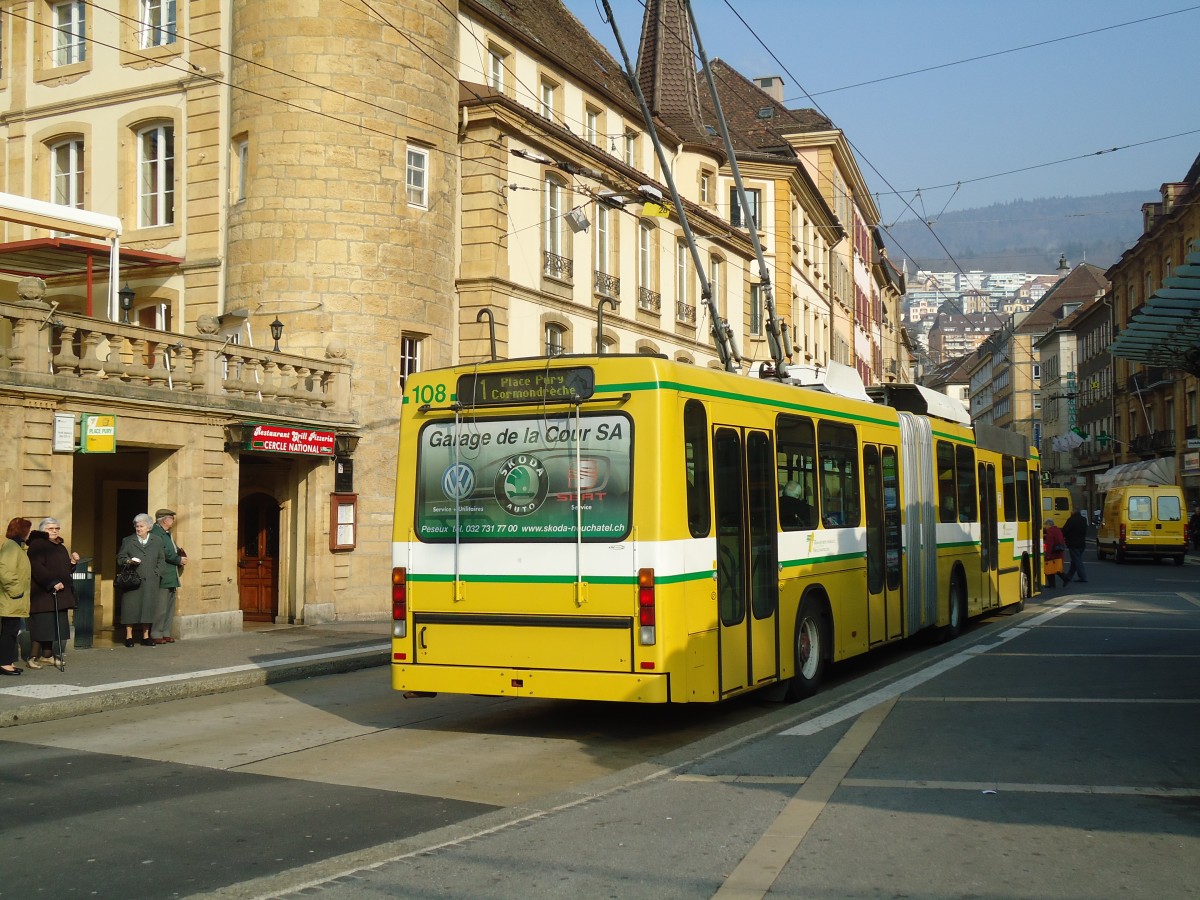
pixel 989 537
pixel 747 563
pixel 882 499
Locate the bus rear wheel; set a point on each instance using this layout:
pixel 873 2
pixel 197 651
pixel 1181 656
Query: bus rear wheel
pixel 810 650
pixel 958 610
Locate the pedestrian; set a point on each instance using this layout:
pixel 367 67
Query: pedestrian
pixel 1074 532
pixel 176 559
pixel 51 594
pixel 144 553
pixel 1054 548
pixel 14 592
pixel 1194 527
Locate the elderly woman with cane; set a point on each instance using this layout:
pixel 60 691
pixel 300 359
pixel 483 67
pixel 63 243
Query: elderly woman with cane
pixel 51 594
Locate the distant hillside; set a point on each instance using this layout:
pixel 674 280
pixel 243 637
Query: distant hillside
pixel 1024 235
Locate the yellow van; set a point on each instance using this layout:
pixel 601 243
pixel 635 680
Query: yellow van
pixel 1056 505
pixel 1143 520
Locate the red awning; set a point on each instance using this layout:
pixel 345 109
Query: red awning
pixel 51 258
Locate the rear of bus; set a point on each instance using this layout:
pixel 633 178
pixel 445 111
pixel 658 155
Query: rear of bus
pixel 517 567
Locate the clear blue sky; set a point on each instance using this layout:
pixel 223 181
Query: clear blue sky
pixel 1020 109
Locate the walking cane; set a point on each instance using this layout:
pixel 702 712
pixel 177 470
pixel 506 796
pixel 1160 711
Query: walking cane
pixel 58 641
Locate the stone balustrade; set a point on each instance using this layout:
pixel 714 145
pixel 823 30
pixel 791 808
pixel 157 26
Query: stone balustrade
pixel 78 355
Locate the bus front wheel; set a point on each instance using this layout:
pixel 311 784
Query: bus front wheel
pixel 811 651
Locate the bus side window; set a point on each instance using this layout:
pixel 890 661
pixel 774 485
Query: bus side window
pixel 1010 491
pixel 967 498
pixel 837 453
pixel 695 448
pixel 947 492
pixel 796 455
pixel 1022 490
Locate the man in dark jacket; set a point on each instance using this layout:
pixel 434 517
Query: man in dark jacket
pixel 1075 537
pixel 164 619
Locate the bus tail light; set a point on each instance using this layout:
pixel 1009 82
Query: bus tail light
pixel 1121 534
pixel 647 614
pixel 399 602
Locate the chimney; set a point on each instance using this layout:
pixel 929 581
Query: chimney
pixel 1063 268
pixel 1150 214
pixel 1170 193
pixel 772 86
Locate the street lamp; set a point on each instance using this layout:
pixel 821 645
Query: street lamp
pixel 126 295
pixel 276 332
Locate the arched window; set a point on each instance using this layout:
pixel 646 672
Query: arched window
pixel 66 173
pixel 555 339
pixel 156 175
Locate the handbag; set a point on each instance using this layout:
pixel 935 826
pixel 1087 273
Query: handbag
pixel 128 579
pixel 1054 566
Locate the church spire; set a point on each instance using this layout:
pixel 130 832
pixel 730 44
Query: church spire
pixel 667 69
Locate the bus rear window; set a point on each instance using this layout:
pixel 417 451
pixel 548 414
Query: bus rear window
pixel 538 478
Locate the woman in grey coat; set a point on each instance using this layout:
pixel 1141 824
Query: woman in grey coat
pixel 145 552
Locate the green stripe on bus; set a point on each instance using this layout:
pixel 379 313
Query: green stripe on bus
pixel 734 395
pixel 438 578
pixel 821 560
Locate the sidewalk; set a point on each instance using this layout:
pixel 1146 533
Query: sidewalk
pixel 111 676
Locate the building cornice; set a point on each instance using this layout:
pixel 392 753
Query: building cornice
pixel 88 102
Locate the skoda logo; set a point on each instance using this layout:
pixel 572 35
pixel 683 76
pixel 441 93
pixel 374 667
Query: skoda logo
pixel 458 481
pixel 521 484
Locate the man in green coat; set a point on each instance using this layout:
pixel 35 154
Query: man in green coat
pixel 160 628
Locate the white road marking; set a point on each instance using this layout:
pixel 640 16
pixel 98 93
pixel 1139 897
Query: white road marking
pixel 993 787
pixel 896 688
pixel 43 691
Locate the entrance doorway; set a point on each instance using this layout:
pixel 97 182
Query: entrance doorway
pixel 747 567
pixel 258 558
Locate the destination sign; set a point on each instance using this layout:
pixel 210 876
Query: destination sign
pixel 527 386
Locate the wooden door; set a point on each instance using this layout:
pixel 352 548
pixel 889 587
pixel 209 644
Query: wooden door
pixel 258 558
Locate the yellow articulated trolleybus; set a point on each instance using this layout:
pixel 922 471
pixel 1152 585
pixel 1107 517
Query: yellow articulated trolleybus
pixel 634 529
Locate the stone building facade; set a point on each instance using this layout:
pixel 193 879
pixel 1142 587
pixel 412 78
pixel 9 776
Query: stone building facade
pixel 269 162
pixel 1156 410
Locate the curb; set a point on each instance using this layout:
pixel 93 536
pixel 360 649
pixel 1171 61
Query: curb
pixel 194 685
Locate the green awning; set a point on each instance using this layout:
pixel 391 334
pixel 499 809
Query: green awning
pixel 1165 331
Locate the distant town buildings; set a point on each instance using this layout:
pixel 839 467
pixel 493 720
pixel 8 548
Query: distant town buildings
pixel 950 313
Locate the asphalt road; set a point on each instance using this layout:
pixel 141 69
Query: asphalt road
pixel 1051 754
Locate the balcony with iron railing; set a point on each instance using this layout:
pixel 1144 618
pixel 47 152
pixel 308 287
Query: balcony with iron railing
pixel 606 285
pixel 1149 379
pixel 1163 439
pixel 557 266
pixel 1090 453
pixel 685 313
pixel 648 300
pixel 69 354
